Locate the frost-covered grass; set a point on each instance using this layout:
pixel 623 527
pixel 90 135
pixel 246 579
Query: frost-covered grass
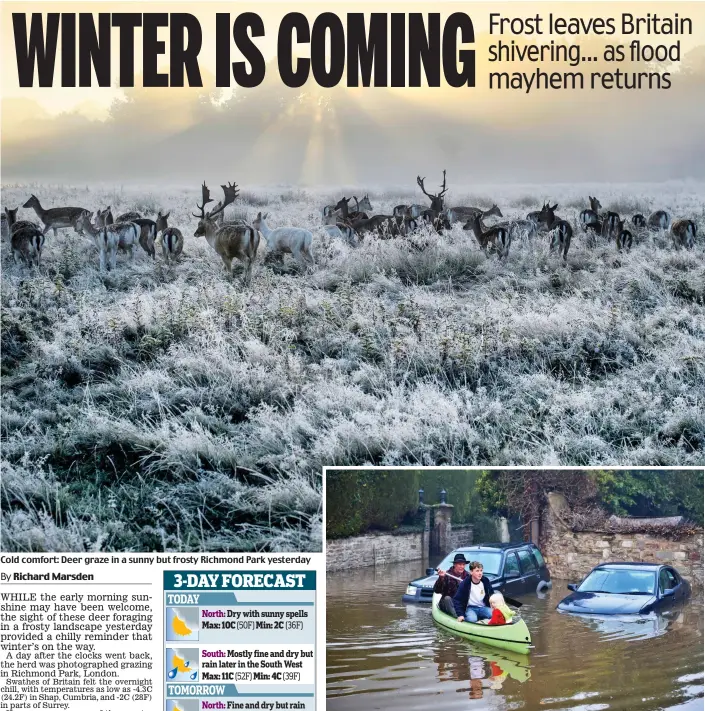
pixel 174 409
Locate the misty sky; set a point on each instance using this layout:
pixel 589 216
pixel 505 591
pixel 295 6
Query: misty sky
pixel 272 134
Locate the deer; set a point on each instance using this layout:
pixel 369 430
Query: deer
pixel 5 229
pixel 465 214
pixel 128 217
pixel 639 222
pixel 562 231
pixel 109 239
pixel 27 244
pixel 493 239
pixel 104 217
pixel 148 234
pixel 13 224
pixel 683 233
pixel 171 239
pixel 624 238
pixel 436 200
pixel 286 240
pixel 591 216
pixel 611 225
pixel 341 206
pixel 659 220
pixel 384 226
pixel 55 217
pixel 437 220
pixel 535 216
pixel 229 241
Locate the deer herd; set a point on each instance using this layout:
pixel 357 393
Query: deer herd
pixel 238 239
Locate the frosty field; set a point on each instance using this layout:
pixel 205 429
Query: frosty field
pixel 157 408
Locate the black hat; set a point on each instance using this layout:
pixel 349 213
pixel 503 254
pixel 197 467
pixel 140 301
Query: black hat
pixel 459 558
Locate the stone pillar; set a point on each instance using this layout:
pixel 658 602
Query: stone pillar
pixel 504 536
pixel 442 528
pixel 425 511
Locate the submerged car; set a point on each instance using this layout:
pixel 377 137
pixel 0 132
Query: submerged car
pixel 512 568
pixel 626 588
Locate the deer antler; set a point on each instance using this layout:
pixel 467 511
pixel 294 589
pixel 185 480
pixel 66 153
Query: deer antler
pixel 419 181
pixel 205 194
pixel 444 189
pixel 230 192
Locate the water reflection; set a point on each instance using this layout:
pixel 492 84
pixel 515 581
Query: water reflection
pixel 383 654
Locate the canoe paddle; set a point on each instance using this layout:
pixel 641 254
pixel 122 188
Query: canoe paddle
pixel 508 600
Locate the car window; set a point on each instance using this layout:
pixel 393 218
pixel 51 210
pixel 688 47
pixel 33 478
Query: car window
pixel 626 582
pixel 539 557
pixel 491 560
pixel 528 564
pixel 511 565
pixel 667 580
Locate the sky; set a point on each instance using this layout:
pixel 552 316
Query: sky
pixel 368 136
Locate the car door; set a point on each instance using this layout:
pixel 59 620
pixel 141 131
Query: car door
pixel 667 581
pixel 677 583
pixel 529 570
pixel 513 579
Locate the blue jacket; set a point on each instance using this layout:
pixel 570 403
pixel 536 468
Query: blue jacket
pixel 460 601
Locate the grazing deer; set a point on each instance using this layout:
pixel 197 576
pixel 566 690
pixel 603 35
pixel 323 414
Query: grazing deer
pixel 384 226
pixel 683 233
pixel 591 217
pixel 342 231
pixel 27 244
pixel 128 217
pixel 229 241
pixel 56 217
pixel 659 220
pixel 437 220
pixel 123 236
pixel 148 234
pixel 497 239
pixel 610 225
pixel 104 217
pixel 13 224
pixel 625 239
pixel 639 222
pixel 465 214
pixel 561 230
pixel 286 240
pixel 172 244
pixel 436 200
pixel 519 228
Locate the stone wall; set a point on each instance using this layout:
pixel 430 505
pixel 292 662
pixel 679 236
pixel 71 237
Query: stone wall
pixel 571 555
pixel 460 536
pixel 373 549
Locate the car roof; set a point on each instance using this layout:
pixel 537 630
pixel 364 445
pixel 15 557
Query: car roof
pixel 632 566
pixel 492 546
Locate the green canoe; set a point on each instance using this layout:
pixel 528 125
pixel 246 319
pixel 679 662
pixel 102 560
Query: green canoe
pixel 515 637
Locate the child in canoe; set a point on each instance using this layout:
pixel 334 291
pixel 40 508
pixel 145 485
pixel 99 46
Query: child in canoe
pixel 501 614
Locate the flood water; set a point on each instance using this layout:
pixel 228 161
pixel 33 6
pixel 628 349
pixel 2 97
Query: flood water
pixel 384 654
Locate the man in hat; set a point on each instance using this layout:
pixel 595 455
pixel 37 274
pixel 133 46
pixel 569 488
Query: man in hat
pixel 447 586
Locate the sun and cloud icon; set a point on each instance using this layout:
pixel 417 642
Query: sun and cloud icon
pixel 182 664
pixel 181 624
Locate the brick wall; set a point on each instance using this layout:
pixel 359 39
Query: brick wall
pixel 571 555
pixel 460 536
pixel 373 549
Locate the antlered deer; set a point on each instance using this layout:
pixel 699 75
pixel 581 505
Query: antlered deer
pixel 55 217
pixel 436 200
pixel 229 241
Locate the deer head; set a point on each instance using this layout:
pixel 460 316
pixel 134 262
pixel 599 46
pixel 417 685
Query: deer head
pixel 436 200
pixel 206 220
